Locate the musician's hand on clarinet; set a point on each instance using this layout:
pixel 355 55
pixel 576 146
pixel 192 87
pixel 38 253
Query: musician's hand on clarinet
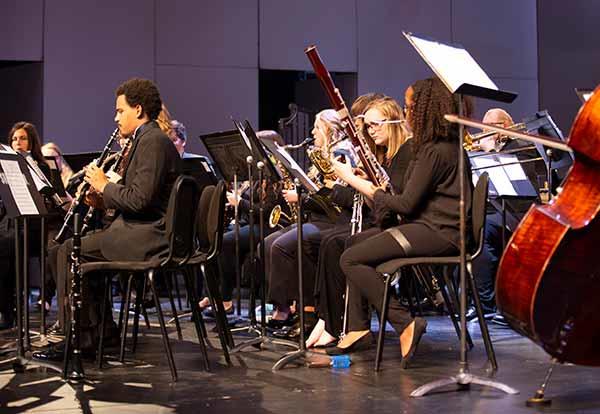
pixel 291 196
pixel 95 177
pixel 94 199
pixel 359 172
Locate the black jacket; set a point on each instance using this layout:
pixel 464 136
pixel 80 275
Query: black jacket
pixel 139 233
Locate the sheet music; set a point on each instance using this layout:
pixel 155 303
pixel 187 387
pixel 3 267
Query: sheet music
pixel 514 171
pixel 39 179
pixel 498 175
pixel 307 182
pixel 453 65
pixel 18 187
pixel 5 149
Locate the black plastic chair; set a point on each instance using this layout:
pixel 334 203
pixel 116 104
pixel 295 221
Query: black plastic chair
pixel 391 268
pixel 180 226
pixel 210 240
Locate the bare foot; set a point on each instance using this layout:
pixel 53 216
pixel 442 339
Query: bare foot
pixel 325 339
pixel 406 338
pixel 204 303
pixel 316 333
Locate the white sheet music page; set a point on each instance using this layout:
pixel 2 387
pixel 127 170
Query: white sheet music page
pixel 513 170
pixel 18 187
pixel 498 175
pixel 451 63
pixel 312 187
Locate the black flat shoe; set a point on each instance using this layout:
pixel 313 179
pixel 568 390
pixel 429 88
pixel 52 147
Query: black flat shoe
pixel 210 313
pixel 52 354
pixel 362 344
pixel 420 329
pixel 281 323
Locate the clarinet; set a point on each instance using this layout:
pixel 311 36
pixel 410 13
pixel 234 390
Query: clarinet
pixel 60 237
pixel 73 344
pixel 377 175
pixel 115 168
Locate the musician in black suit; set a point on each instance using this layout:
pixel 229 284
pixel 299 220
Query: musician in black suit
pixel 138 232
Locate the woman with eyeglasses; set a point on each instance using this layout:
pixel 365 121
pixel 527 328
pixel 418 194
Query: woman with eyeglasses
pixel 383 124
pixel 428 205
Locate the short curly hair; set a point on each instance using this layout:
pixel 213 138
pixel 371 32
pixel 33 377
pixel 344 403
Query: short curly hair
pixel 141 92
pixel 432 100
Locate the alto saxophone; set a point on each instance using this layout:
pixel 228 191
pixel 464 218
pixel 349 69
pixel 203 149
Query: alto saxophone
pixel 277 212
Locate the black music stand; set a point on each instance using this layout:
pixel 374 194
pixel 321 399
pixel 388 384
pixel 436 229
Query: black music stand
pixel 267 171
pixel 462 76
pixel 230 155
pixel 22 201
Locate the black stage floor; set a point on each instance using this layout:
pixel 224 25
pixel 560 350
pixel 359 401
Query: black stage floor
pixel 143 383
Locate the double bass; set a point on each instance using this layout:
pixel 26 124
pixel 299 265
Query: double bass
pixel 548 280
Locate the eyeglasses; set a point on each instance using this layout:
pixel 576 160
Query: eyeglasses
pixel 378 124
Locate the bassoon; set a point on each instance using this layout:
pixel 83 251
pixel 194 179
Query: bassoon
pixel 377 175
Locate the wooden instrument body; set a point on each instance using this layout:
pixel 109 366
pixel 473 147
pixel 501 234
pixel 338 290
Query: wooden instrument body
pixel 548 281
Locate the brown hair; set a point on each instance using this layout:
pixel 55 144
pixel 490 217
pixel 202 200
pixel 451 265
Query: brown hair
pixel 33 139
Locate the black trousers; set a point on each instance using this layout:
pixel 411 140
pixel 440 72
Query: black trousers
pixel 373 247
pixel 92 287
pixel 281 251
pixel 330 283
pixel 227 258
pixel 485 265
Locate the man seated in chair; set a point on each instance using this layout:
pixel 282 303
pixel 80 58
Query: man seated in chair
pixel 486 264
pixel 138 232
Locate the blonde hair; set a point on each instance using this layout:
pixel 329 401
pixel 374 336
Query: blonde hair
pixel 164 120
pixel 397 131
pixel 334 124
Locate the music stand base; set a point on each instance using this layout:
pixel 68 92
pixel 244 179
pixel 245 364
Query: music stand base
pixel 463 380
pixel 261 340
pixel 538 400
pixel 298 357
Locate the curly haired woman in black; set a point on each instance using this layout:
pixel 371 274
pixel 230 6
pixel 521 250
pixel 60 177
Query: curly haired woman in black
pixel 429 209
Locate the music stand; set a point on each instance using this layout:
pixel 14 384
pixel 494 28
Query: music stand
pixel 230 155
pixel 22 201
pixel 266 170
pixel 459 72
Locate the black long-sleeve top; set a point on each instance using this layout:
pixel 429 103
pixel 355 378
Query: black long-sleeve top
pixel 272 198
pixel 431 192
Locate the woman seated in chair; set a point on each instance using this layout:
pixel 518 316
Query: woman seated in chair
pixel 429 210
pixel 393 150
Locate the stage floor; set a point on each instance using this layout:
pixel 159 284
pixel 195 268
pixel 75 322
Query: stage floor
pixel 143 383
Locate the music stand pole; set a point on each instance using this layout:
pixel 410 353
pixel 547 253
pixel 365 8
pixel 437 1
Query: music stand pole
pixel 236 237
pixel 302 352
pixel 43 248
pixel 464 378
pixel 261 330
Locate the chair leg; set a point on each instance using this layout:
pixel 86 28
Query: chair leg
pixel 485 333
pixel 139 298
pixel 163 328
pixel 177 292
pixel 217 303
pixel 123 293
pixel 452 311
pixel 382 320
pixel 197 316
pixel 144 311
pixel 100 352
pixel 167 280
pixel 126 318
